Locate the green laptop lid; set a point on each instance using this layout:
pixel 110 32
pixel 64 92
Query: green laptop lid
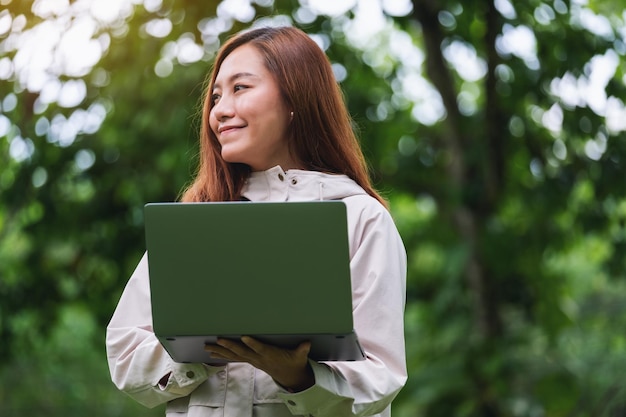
pixel 249 268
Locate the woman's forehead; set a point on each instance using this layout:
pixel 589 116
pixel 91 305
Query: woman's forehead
pixel 246 59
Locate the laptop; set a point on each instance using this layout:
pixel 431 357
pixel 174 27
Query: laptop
pixel 275 271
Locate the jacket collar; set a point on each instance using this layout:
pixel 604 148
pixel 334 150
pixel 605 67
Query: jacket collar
pixel 298 185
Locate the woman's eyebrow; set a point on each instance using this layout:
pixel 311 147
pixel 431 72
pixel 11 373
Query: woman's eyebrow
pixel 237 76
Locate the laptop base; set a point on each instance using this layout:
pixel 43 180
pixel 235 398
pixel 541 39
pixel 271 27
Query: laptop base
pixel 324 347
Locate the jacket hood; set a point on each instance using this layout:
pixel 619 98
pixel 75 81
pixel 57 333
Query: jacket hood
pixel 298 185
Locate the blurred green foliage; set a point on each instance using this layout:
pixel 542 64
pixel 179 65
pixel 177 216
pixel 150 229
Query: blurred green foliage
pixel 515 230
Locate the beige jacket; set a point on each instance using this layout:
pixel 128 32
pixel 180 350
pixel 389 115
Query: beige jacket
pixel 365 388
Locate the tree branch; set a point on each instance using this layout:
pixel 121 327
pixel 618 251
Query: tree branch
pixel 495 122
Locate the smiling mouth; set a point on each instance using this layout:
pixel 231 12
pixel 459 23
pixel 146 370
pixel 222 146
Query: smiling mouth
pixel 227 129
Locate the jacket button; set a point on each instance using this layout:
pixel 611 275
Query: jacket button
pixel 190 374
pixel 281 177
pixel 294 181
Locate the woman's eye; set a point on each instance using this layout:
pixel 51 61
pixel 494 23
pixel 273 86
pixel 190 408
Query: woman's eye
pixel 238 87
pixel 215 98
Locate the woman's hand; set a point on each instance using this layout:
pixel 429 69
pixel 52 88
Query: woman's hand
pixel 288 367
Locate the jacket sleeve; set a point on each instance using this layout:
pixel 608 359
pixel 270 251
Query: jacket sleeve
pixel 139 365
pixel 378 268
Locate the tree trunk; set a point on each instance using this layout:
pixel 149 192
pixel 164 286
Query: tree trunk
pixel 468 221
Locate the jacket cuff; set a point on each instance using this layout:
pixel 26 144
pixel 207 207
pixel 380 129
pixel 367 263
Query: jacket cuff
pixel 185 377
pixel 317 399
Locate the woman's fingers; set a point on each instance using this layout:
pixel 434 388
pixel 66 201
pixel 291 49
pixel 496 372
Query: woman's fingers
pixel 254 344
pixel 259 354
pixel 227 349
pixel 217 352
pixel 288 367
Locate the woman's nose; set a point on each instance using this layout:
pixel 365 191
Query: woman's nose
pixel 223 108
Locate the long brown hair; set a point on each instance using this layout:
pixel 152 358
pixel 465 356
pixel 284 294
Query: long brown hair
pixel 320 135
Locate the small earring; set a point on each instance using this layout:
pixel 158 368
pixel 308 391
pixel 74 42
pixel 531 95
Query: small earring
pixel 291 115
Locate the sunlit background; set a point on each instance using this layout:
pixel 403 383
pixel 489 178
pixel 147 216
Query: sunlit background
pixel 52 57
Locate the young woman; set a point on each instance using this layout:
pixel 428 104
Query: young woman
pixel 275 128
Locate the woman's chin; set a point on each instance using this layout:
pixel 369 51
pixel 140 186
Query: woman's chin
pixel 233 157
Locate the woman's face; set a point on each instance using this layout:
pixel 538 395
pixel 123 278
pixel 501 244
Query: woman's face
pixel 249 117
